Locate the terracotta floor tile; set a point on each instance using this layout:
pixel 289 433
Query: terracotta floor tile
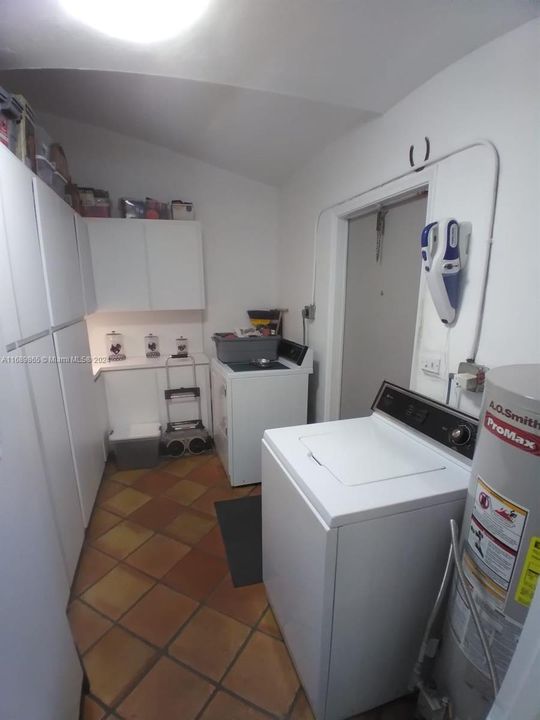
pixel 157 513
pixel 155 482
pixel 127 477
pixel 264 674
pixel 206 502
pixel 108 489
pixel 196 575
pixel 269 625
pixel 210 473
pixel 117 591
pixel 123 539
pixel 183 466
pixel 157 556
pixel 93 565
pixel 186 491
pixel 126 501
pixel 246 604
pixel 190 527
pixel 402 709
pixel 87 626
pixel 213 543
pixel 167 692
pixel 301 709
pixel 159 615
pixel 100 522
pixel 91 710
pixel 114 663
pixel 209 642
pixel 226 707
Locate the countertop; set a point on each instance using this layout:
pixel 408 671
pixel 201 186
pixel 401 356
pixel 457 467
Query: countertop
pixel 144 363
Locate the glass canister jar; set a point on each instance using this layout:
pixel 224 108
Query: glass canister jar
pixel 151 346
pixel 182 346
pixel 115 346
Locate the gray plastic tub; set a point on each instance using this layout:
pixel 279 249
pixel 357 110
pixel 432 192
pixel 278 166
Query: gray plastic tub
pixel 136 446
pixel 230 350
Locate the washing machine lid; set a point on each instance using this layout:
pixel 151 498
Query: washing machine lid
pixel 375 453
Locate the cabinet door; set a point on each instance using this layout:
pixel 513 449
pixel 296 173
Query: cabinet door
pixel 41 675
pixel 132 397
pixel 78 390
pixel 58 460
pixel 220 418
pixel 21 250
pixel 175 265
pixel 119 262
pixel 103 414
pixel 85 262
pixel 60 255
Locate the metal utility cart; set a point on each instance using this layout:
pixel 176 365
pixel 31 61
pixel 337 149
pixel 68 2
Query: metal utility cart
pixel 184 436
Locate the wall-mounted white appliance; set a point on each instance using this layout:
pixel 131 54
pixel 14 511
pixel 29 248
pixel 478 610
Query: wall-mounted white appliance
pixel 355 534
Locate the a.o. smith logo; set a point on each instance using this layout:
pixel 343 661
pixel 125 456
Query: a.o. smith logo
pixel 512 435
pixel 511 415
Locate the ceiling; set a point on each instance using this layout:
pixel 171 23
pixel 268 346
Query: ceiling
pixel 257 86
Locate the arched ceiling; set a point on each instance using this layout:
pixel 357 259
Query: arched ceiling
pixel 257 86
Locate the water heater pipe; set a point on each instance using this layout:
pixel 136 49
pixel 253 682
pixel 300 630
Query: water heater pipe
pixel 493 205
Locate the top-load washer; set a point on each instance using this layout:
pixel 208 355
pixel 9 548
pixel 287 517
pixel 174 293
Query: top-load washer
pixel 355 537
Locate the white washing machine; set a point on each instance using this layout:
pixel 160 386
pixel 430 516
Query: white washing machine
pixel 247 400
pixel 355 538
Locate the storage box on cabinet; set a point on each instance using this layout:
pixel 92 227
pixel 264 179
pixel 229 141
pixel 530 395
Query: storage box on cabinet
pixel 147 264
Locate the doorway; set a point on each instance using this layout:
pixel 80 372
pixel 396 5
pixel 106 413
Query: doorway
pixel 381 301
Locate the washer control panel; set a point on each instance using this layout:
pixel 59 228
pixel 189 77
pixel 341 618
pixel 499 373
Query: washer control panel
pixel 446 425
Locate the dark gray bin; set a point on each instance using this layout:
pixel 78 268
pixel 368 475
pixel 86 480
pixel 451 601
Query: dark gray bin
pixel 231 350
pixel 136 446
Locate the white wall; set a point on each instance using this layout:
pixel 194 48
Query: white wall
pixel 238 216
pixel 492 93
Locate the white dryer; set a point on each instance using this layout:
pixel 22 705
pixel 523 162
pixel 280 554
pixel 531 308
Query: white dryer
pixel 355 537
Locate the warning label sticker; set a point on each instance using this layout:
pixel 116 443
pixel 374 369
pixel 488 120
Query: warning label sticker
pixel 502 632
pixel 530 573
pixel 494 535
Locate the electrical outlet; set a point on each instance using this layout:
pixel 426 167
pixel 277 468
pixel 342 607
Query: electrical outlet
pixel 430 363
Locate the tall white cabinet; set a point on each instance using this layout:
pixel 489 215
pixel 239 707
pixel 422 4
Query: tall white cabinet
pixel 147 264
pixel 60 256
pixel 41 674
pixel 23 310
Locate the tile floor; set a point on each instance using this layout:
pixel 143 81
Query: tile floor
pixel 162 632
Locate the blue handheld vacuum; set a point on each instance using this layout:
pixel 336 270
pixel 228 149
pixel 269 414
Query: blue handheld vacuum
pixel 444 248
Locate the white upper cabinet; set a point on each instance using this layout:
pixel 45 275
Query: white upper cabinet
pixel 175 265
pixel 85 262
pixel 20 257
pixel 147 264
pixel 119 261
pixel 60 255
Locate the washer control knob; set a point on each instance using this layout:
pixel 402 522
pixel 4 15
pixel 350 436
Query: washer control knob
pixel 460 435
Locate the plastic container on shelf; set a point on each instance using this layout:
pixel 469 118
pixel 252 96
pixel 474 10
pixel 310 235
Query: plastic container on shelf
pixel 59 183
pixel 245 349
pixel 45 169
pixel 182 210
pixel 151 346
pixel 10 115
pixel 136 446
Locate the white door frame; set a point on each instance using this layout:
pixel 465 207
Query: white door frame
pixel 338 223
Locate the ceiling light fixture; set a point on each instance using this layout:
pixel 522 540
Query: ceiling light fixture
pixel 137 21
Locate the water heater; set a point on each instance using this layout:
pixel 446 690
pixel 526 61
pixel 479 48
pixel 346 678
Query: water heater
pixel 499 544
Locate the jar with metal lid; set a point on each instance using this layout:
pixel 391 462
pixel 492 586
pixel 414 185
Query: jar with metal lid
pixel 115 346
pixel 151 346
pixel 182 346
